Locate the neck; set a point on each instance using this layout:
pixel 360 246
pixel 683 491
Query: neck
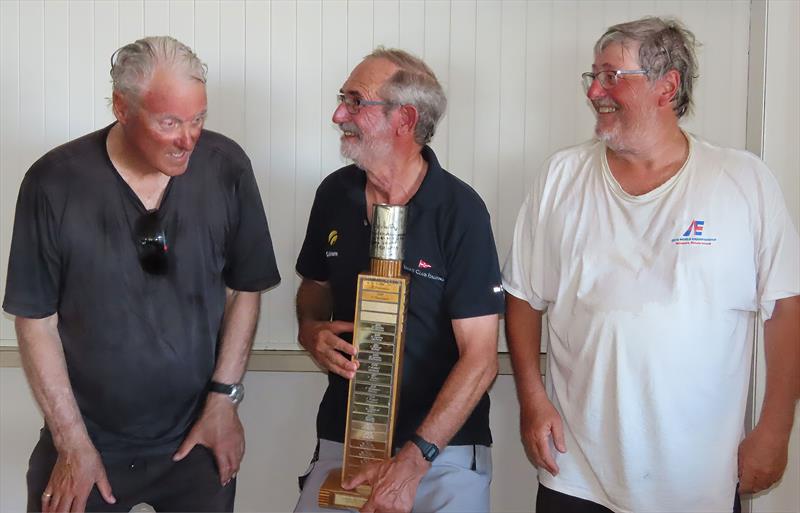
pixel 396 180
pixel 125 159
pixel 650 163
pixel 145 181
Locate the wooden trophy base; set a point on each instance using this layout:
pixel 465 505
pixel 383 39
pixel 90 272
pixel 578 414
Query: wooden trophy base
pixel 332 495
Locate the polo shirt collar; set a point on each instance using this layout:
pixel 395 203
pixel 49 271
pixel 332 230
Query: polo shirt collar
pixel 432 189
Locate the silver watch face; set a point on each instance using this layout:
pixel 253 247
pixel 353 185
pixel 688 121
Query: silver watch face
pixel 237 393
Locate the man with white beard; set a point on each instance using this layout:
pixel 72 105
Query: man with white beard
pixel 652 251
pixel 388 110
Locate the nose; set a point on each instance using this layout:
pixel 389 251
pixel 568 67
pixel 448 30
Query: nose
pixel 340 115
pixel 187 137
pixel 595 90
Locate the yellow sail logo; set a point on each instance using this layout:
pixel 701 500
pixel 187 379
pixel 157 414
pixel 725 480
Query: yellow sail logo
pixel 333 237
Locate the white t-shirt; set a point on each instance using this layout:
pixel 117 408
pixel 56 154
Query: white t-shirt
pixel 650 301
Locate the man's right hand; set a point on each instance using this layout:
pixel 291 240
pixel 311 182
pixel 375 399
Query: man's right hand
pixel 74 475
pixel 321 339
pixel 539 421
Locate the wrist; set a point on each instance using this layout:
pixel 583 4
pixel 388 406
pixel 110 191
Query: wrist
pixel 233 393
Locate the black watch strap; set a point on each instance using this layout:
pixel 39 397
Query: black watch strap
pixel 234 391
pixel 428 449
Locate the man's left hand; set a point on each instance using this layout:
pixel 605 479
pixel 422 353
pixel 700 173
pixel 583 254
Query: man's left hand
pixel 762 459
pixel 394 482
pixel 219 429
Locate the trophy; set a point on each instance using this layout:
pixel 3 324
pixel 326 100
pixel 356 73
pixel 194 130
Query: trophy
pixel 379 330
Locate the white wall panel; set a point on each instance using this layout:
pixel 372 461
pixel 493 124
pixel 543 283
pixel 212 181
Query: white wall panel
pixel 156 17
pixel 81 46
pixel 280 205
pixel 10 140
pixel 510 68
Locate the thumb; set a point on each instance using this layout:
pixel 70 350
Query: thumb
pixel 105 489
pixel 558 437
pixel 185 448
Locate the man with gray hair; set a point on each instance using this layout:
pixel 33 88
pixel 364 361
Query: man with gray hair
pixel 388 111
pixel 652 251
pixel 137 261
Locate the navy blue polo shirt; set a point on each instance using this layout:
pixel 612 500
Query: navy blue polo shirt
pixel 451 258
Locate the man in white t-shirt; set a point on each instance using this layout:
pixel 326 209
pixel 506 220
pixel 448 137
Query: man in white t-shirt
pixel 652 251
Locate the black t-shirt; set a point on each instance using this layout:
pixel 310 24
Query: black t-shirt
pixel 140 348
pixel 451 258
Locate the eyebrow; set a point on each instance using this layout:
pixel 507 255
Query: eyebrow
pixel 351 92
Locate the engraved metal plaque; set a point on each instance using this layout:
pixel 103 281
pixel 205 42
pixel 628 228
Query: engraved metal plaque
pixel 378 334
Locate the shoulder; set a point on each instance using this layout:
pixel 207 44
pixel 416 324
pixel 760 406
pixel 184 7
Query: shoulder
pixel 572 159
pixel 67 162
pixel 342 181
pixel 220 146
pixel 739 166
pixel 460 196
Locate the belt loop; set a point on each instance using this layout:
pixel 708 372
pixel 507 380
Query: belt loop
pixel 474 466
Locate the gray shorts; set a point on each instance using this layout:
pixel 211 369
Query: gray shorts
pixel 458 481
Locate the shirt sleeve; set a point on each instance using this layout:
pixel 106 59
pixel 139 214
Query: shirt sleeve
pixel 311 262
pixel 473 285
pixel 34 264
pixel 523 267
pixel 250 260
pixel 778 251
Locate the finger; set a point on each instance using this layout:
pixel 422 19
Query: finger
pixel 543 447
pixel 368 507
pixel 340 365
pixel 746 483
pixel 79 504
pixel 60 503
pixel 341 345
pixel 223 466
pixel 47 499
pixel 185 448
pixel 362 476
pixel 558 437
pixel 341 327
pixel 104 487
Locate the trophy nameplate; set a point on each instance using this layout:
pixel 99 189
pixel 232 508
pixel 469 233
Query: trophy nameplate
pixel 378 333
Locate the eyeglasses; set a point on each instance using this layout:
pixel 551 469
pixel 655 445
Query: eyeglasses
pixel 353 104
pixel 608 78
pixel 152 243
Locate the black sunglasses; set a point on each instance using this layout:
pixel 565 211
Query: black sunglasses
pixel 151 242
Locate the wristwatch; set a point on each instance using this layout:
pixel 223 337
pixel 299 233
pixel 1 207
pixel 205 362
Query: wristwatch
pixel 235 391
pixel 429 450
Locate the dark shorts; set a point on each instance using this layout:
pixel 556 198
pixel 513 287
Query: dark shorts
pixel 191 484
pixel 551 501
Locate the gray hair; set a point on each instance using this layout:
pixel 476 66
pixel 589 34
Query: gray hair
pixel 664 45
pixel 133 65
pixel 413 84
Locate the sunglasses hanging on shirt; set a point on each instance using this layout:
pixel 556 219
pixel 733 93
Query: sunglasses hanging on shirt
pixel 151 242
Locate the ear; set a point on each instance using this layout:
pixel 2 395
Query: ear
pixel 120 107
pixel 669 85
pixel 408 119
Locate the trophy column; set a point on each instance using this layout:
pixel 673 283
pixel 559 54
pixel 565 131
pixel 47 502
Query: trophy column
pixel 379 330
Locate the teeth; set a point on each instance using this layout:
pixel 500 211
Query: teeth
pixel 348 133
pixel 606 110
pixel 178 155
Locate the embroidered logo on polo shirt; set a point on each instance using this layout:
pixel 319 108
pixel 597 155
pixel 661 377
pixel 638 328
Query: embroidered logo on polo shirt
pixel 333 236
pixel 422 270
pixel 693 235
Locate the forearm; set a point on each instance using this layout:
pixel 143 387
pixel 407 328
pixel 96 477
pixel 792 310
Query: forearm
pixel 313 302
pixel 469 379
pixel 523 335
pixel 43 361
pixel 238 330
pixel 782 352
